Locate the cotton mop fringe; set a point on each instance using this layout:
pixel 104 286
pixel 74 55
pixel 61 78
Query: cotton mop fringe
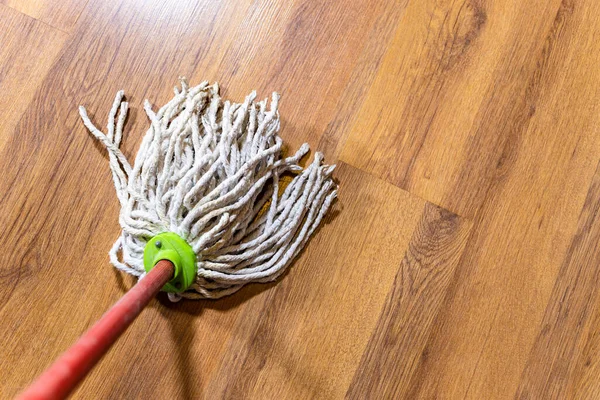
pixel 210 172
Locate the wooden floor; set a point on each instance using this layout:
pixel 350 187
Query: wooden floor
pixel 462 260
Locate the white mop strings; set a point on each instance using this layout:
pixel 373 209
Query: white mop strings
pixel 210 172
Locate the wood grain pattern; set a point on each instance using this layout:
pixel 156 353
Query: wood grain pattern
pixel 27 52
pixel 290 46
pixel 450 91
pixel 494 312
pixel 353 260
pixel 461 260
pixel 61 15
pixel 398 341
pixel 577 357
pixel 566 323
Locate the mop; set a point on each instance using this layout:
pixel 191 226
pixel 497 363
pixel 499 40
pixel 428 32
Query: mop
pixel 210 204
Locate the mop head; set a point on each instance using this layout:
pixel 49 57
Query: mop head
pixel 211 172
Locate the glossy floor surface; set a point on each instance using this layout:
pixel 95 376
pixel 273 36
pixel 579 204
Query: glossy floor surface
pixel 461 261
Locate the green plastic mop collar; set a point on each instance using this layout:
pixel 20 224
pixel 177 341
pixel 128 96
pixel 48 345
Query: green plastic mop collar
pixel 170 246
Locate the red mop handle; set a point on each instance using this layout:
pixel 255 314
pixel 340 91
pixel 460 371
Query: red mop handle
pixel 66 372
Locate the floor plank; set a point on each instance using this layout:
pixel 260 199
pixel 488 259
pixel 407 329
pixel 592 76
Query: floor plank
pixel 495 309
pixel 583 381
pixel 369 60
pixel 279 352
pixel 450 91
pixel 61 15
pixel 576 359
pixel 27 52
pixel 558 349
pixel 289 46
pixel 112 44
pixel 461 260
pixel 397 343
